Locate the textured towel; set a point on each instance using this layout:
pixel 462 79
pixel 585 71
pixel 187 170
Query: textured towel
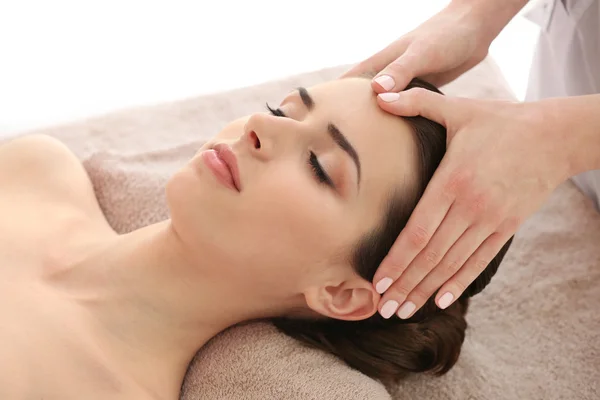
pixel 533 333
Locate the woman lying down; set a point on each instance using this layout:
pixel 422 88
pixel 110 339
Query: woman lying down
pixel 284 215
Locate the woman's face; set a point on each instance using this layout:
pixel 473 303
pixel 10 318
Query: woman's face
pixel 312 183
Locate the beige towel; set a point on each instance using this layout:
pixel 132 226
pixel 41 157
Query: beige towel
pixel 534 332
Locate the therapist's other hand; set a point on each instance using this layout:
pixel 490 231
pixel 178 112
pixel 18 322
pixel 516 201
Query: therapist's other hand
pixel 439 50
pixel 503 159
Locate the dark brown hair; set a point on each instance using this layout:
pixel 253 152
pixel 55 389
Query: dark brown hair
pixel 429 341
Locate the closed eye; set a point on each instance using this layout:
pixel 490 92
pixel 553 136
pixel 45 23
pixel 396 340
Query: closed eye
pixel 313 161
pixel 276 111
pixel 318 170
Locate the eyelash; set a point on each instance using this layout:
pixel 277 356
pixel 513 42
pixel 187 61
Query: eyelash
pixel 313 161
pixel 276 111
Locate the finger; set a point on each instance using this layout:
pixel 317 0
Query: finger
pixel 398 73
pixel 417 101
pixel 474 266
pixel 452 262
pixel 379 60
pixel 424 221
pixel 450 231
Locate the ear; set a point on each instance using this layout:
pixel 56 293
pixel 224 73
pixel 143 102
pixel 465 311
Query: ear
pixel 353 299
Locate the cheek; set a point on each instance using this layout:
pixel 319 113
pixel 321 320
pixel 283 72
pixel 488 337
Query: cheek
pixel 284 226
pixel 290 219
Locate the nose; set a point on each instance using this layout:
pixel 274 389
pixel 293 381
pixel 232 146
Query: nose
pixel 266 135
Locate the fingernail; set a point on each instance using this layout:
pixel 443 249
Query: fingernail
pixel 445 300
pixel 386 82
pixel 383 285
pixel 406 310
pixel 389 308
pixel 389 97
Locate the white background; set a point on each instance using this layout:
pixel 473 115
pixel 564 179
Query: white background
pixel 62 60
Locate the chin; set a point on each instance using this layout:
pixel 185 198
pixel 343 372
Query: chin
pixel 182 191
pixel 180 182
pixel 195 202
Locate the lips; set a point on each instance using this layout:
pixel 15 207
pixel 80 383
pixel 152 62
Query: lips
pixel 221 160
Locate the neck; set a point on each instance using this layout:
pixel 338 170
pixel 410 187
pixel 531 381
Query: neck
pixel 154 306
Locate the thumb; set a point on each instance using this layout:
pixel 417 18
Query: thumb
pixel 417 101
pixel 397 75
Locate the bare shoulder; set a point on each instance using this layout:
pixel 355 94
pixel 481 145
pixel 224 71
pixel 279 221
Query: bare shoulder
pixel 43 166
pixel 30 153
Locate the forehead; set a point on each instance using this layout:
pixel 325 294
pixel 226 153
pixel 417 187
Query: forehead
pixel 384 142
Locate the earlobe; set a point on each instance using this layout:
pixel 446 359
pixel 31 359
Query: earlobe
pixel 351 300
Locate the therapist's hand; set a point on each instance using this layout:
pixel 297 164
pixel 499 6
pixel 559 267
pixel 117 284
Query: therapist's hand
pixel 439 50
pixel 503 160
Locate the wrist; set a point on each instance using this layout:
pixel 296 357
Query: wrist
pixel 574 124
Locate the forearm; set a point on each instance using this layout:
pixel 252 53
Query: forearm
pixel 491 15
pixel 575 122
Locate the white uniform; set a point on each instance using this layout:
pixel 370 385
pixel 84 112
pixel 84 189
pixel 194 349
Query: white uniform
pixel 567 61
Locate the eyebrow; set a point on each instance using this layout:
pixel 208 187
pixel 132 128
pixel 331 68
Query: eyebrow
pixel 338 137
